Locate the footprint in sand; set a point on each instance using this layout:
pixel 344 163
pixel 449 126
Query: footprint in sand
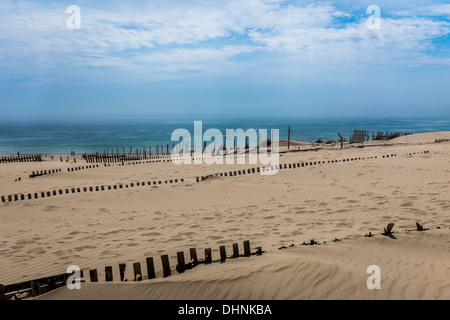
pixel 215 237
pixel 150 234
pixel 24 242
pixel 84 247
pixel 133 244
pixel 38 250
pixel 49 208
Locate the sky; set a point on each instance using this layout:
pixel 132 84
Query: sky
pixel 236 57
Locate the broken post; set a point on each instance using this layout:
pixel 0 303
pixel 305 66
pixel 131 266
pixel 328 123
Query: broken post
pixel 388 229
pixel 419 227
pixel 341 140
pixel 137 271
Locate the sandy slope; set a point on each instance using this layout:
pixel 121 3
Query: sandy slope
pixel 42 237
pixel 330 271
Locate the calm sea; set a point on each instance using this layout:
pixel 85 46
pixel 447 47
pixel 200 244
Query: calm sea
pixel 62 137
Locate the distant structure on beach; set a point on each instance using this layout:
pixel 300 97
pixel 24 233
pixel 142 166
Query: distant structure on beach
pixel 359 136
pixel 363 135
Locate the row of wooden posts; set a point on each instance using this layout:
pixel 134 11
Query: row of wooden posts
pixel 43 285
pixel 139 154
pixel 102 158
pixel 441 140
pixel 290 166
pixel 43 172
pixel 79 168
pixel 276 167
pixel 22 158
pixel 44 194
pixel 142 154
pixel 17 197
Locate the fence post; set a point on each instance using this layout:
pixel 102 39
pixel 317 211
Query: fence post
pixel 258 251
pixel 2 292
pixel 150 268
pixel 247 248
pixel 137 271
pixel 193 253
pixel 223 254
pixel 208 256
pixel 122 268
pixel 93 275
pixel 108 274
pixel 166 265
pixel 181 267
pixel 235 250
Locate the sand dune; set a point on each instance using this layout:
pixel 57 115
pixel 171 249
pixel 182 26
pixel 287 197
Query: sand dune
pixel 42 237
pixel 330 271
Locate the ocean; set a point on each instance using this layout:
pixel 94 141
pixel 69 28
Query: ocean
pixel 90 136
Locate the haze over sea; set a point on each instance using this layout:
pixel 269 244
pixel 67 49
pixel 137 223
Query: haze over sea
pixel 89 136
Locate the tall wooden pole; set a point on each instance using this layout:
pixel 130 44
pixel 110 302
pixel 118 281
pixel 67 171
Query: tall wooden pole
pixel 289 136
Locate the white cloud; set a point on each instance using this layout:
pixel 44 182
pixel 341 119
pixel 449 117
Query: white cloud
pixel 208 36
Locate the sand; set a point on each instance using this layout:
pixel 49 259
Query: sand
pixel 344 200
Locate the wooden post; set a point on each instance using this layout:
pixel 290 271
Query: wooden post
pixel 223 254
pixel 181 267
pixel 208 256
pixel 289 137
pixel 93 275
pixel 51 285
pixel 165 265
pixel 235 250
pixel 108 274
pixel 193 253
pixel 150 268
pixel 122 268
pixel 2 292
pixel 247 248
pixel 35 288
pixel 341 140
pixel 137 271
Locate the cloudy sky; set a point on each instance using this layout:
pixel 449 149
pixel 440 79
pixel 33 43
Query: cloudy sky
pixel 224 57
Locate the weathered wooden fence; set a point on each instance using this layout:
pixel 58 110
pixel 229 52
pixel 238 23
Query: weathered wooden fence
pixel 21 158
pixel 37 287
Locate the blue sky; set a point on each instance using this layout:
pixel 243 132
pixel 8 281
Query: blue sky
pixel 223 57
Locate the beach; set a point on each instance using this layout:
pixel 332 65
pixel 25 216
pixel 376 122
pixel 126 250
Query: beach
pixel 341 196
